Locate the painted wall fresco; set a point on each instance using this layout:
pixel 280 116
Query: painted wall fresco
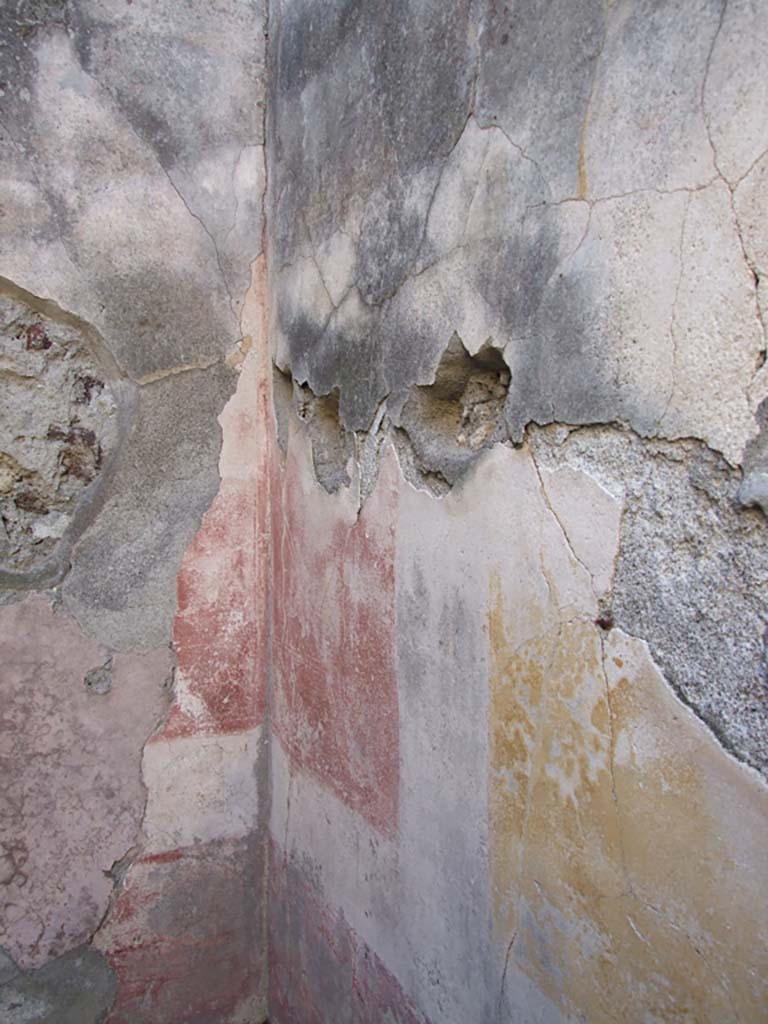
pixel 552 788
pixel 186 932
pixel 333 641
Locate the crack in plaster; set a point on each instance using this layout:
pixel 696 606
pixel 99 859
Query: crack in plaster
pixel 174 371
pixel 561 525
pixel 510 947
pixel 147 148
pixel 205 228
pixel 673 318
pixel 732 186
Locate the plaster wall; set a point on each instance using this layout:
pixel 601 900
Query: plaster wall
pixel 383 485
pixel 518 316
pixel 132 618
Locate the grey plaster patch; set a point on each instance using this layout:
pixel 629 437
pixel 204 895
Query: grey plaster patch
pixel 189 80
pixel 690 573
pixel 99 680
pixel 77 988
pixel 614 278
pixel 122 584
pixel 8 969
pixel 654 58
pixel 336 174
pixel 94 220
pixel 754 487
pixel 539 99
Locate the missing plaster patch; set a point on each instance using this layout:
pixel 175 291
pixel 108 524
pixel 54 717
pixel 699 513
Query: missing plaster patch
pixel 58 427
pixel 689 576
pixel 443 427
pixel 439 429
pixel 99 679
pixel 332 445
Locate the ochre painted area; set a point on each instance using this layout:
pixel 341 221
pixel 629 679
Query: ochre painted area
pixel 628 864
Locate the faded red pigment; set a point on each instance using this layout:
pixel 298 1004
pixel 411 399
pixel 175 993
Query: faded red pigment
pixel 320 969
pixel 182 937
pixel 335 704
pixel 219 629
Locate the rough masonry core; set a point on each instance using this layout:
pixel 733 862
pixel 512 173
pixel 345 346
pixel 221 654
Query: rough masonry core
pixel 383 494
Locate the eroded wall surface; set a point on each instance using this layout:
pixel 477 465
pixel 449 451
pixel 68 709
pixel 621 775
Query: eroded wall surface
pixel 132 548
pixel 517 308
pixel 383 550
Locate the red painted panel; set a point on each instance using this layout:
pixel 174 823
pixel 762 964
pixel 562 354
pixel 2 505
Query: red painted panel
pixel 335 703
pixel 219 630
pixel 183 937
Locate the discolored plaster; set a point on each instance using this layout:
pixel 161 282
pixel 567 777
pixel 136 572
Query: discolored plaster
pixel 73 798
pixel 76 988
pixel 435 646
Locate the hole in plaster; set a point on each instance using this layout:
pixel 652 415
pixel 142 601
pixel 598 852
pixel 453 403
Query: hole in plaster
pixel 58 424
pixel 444 426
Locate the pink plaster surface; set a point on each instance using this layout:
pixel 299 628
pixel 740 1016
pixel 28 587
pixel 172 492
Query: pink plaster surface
pixel 71 800
pixel 219 629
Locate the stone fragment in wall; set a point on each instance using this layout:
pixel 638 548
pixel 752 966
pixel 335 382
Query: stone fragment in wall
pixel 443 426
pixel 59 428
